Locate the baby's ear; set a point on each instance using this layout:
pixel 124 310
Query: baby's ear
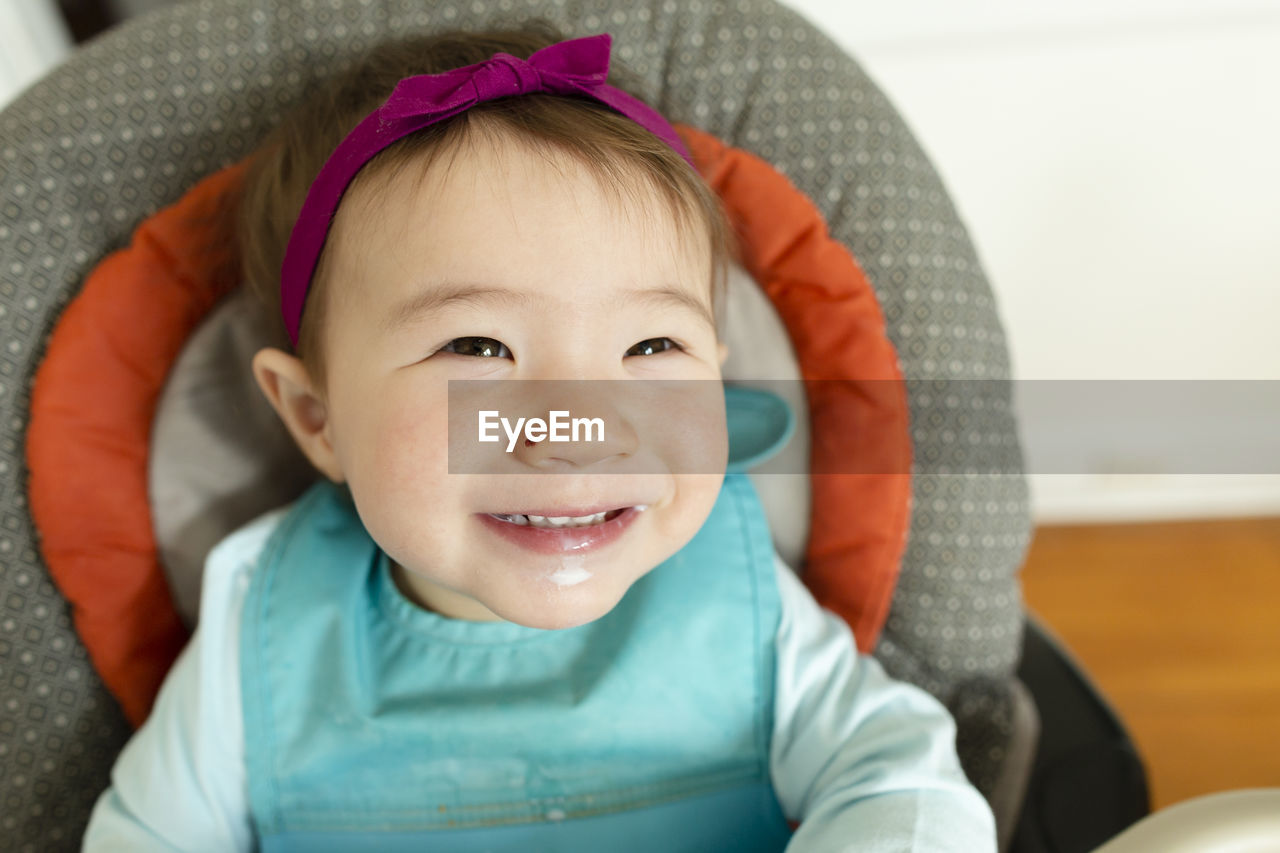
pixel 288 388
pixel 722 349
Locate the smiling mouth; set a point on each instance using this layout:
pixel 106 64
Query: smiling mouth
pixel 559 522
pixel 578 532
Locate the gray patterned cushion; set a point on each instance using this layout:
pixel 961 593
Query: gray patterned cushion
pixel 140 114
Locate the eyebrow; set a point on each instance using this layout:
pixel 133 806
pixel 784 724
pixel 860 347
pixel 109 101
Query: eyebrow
pixel 436 298
pixel 440 296
pixel 673 297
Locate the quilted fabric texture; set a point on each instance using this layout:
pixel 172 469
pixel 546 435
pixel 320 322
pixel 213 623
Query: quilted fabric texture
pixel 142 113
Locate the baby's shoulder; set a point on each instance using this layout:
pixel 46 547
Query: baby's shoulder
pixel 246 542
pixel 230 563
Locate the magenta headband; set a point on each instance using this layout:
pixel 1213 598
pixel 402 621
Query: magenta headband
pixel 572 67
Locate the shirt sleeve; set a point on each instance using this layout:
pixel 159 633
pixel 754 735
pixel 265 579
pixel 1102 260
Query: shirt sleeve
pixel 864 762
pixel 180 782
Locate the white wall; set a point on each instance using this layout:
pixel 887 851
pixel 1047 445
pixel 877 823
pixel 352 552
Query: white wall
pixel 1116 165
pixel 33 38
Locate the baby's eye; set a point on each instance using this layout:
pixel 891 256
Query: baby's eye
pixel 479 347
pixel 653 346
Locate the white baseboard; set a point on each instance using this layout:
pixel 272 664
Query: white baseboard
pixel 1103 498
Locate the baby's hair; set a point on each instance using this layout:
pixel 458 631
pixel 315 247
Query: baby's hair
pixel 621 155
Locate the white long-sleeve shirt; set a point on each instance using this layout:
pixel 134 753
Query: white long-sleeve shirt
pixel 864 762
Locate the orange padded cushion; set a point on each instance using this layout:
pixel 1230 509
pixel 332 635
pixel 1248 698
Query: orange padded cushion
pixel 859 418
pixel 92 404
pixel 95 396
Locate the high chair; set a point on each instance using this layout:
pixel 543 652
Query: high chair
pixel 134 438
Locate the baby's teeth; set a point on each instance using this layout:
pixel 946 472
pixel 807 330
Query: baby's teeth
pixel 565 520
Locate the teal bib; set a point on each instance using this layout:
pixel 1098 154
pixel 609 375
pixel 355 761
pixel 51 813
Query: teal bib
pixel 372 724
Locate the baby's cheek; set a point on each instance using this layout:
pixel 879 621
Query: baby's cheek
pixel 695 496
pixel 407 471
pixel 411 444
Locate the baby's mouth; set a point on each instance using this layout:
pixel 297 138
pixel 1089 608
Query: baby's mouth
pixel 560 521
pixel 563 530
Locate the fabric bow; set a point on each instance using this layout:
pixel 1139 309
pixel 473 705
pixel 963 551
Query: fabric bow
pixel 572 67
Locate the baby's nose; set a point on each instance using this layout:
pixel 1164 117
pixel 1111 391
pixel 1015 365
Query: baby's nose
pixel 577 439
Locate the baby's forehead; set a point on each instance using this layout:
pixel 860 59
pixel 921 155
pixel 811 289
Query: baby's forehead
pixel 439 217
pixel 442 182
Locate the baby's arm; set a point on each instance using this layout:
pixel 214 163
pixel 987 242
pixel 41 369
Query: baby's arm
pixel 180 783
pixel 865 763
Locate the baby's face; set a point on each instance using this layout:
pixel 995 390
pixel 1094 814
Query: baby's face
pixel 521 269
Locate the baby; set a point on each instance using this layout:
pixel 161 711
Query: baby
pixel 415 657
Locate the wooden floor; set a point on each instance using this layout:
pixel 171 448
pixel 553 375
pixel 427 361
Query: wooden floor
pixel 1179 625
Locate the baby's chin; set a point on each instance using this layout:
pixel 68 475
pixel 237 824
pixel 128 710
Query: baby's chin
pixel 568 597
